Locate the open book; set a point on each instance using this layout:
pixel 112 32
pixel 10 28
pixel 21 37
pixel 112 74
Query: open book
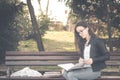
pixel 71 66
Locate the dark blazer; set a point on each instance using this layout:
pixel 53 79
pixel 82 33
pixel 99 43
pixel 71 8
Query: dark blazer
pixel 98 53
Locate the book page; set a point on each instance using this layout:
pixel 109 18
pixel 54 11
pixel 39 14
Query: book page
pixel 66 66
pixel 77 66
pixel 71 66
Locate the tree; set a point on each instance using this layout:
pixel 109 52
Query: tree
pixel 107 11
pixel 35 27
pixel 43 19
pixel 9 31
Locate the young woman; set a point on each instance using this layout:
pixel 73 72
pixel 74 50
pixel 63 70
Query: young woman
pixel 93 54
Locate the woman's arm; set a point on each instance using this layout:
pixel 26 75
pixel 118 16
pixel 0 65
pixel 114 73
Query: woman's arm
pixel 102 52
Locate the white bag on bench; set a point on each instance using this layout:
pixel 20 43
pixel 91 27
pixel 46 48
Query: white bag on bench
pixel 26 72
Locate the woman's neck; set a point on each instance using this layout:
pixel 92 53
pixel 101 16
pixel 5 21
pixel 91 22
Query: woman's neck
pixel 88 39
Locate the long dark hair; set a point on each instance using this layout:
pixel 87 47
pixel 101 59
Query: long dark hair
pixel 79 41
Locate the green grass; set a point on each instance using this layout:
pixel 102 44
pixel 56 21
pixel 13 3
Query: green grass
pixel 52 41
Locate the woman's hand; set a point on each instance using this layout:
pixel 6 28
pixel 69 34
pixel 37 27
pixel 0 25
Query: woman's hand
pixel 81 60
pixel 88 61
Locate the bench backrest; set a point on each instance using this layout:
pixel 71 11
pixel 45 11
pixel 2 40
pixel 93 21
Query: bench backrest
pixel 46 59
pixel 14 58
pixel 114 59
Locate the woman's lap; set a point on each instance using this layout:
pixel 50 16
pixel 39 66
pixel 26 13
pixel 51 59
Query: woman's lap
pixel 81 74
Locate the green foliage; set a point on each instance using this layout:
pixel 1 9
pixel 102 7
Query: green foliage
pixel 43 23
pixel 102 9
pixel 9 33
pixel 23 23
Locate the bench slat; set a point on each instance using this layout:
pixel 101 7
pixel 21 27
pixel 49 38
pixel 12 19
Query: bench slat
pixel 50 57
pixel 14 53
pixel 32 78
pixel 39 63
pixel 114 63
pixel 114 57
pixel 24 58
pixel 36 63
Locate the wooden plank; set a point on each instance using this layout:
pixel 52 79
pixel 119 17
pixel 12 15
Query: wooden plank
pixel 50 57
pixel 40 53
pixel 47 53
pixel 24 58
pixel 61 78
pixel 109 78
pixel 115 53
pixel 114 57
pixel 36 63
pixel 114 63
pixel 31 78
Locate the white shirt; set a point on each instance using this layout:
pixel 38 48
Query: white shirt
pixel 87 54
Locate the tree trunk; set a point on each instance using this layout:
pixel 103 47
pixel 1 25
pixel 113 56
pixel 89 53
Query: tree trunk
pixel 40 7
pixel 109 35
pixel 35 27
pixel 47 8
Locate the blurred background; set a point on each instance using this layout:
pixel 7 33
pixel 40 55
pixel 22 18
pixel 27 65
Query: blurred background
pixel 48 25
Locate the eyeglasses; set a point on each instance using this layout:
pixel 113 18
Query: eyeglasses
pixel 81 31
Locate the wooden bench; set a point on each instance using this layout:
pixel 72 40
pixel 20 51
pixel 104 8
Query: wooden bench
pixel 47 62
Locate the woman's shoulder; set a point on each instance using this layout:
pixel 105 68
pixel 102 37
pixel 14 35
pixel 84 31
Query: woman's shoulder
pixel 98 40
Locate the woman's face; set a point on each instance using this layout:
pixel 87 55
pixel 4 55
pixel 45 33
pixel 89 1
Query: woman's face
pixel 82 31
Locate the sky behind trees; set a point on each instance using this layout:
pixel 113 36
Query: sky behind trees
pixel 57 10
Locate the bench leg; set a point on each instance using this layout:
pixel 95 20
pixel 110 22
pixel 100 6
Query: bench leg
pixel 119 70
pixel 8 72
